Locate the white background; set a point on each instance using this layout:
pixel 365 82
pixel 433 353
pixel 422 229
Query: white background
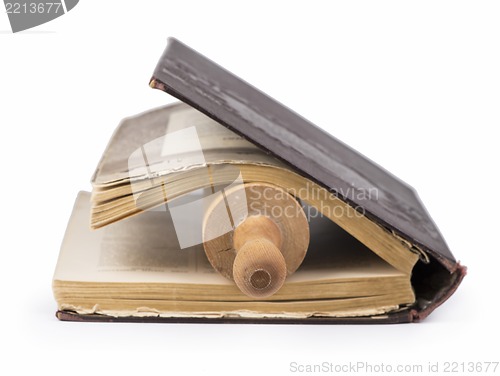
pixel 414 86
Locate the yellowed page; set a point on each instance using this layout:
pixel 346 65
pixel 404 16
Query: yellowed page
pixel 145 249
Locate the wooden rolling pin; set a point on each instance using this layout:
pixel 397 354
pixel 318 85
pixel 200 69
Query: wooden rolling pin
pixel 267 241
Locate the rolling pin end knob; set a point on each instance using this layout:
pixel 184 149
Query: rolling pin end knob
pixel 259 269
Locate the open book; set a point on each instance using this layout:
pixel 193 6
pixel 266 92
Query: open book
pixel 164 235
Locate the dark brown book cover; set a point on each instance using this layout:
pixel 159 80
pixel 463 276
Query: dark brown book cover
pixel 204 85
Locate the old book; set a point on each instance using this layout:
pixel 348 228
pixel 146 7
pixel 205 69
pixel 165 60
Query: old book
pixel 374 254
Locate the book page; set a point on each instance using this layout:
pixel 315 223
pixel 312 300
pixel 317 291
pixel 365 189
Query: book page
pixel 172 139
pixel 145 249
